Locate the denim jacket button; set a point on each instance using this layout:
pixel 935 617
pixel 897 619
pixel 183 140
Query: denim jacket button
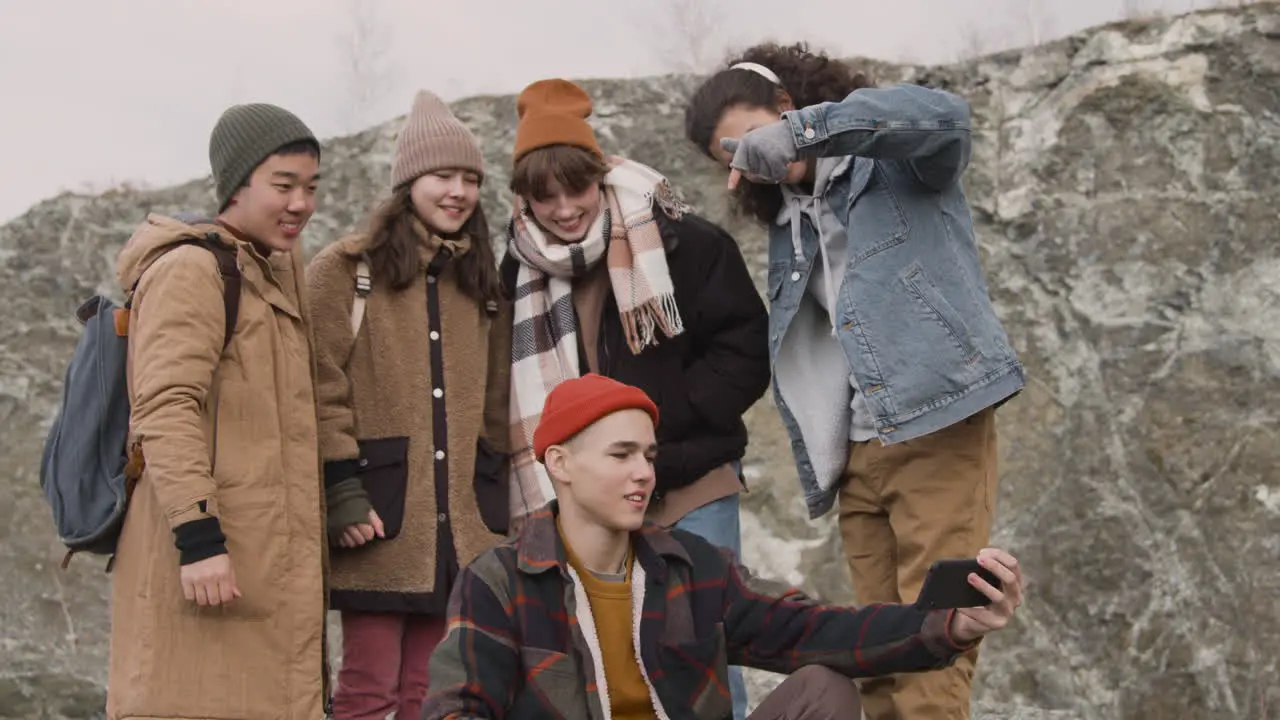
pixel 809 133
pixel 795 276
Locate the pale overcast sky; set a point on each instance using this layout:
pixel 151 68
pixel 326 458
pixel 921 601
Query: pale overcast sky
pixel 95 92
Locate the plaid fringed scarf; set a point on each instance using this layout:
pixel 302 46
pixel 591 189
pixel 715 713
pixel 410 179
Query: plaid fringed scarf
pixel 544 348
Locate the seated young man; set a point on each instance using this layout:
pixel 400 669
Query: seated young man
pixel 591 612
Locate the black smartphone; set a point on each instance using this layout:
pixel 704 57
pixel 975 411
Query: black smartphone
pixel 946 585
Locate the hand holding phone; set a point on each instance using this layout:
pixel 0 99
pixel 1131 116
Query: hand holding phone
pixel 946 586
pixel 981 595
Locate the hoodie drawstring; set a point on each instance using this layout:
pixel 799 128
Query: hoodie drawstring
pixel 814 211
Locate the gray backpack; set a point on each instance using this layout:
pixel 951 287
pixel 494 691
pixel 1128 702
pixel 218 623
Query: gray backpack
pixel 87 470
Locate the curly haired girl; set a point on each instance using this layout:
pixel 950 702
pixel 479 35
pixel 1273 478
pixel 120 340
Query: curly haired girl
pixel 889 360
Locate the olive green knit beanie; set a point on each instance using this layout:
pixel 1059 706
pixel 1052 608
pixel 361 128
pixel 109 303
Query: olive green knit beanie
pixel 245 136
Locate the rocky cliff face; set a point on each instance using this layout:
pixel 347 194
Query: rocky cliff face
pixel 1125 181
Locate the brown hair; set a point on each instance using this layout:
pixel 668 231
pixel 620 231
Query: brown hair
pixel 573 168
pixel 808 78
pixel 392 248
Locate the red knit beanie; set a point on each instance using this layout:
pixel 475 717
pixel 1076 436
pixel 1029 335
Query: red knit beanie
pixel 577 403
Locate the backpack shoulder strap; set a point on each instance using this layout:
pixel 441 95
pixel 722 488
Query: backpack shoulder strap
pixel 364 286
pixel 230 271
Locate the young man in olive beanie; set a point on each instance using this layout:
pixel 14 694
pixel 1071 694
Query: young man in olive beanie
pixel 552 622
pixel 218 600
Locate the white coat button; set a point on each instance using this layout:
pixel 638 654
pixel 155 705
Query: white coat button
pixel 439 454
pixel 438 392
pixel 795 276
pixel 442 517
pixel 435 335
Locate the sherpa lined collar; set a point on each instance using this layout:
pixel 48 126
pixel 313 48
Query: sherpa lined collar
pixel 540 548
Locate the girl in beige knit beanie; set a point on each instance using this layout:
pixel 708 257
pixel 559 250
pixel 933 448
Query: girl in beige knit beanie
pixel 413 349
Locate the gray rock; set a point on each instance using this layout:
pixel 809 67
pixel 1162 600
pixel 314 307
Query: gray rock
pixel 1019 712
pixel 1125 185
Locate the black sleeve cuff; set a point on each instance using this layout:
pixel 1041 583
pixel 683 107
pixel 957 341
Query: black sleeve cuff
pixel 335 471
pixel 199 540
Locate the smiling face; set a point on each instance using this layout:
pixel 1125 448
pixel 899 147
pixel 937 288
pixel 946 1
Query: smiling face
pixel 445 199
pixel 561 184
pixel 606 471
pixel 275 204
pixel 738 120
pixel 564 213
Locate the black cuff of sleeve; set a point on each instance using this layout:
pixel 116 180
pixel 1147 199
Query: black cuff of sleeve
pixel 335 471
pixel 199 540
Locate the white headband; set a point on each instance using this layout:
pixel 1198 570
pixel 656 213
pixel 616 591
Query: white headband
pixel 758 69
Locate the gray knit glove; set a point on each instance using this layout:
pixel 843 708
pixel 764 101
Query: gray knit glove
pixel 764 153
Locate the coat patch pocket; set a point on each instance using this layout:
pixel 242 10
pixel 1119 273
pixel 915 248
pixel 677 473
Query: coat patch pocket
pixel 492 487
pixel 384 472
pixel 699 653
pixel 694 664
pixel 551 682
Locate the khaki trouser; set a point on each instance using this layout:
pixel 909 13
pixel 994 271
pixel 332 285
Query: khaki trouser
pixel 903 506
pixel 810 693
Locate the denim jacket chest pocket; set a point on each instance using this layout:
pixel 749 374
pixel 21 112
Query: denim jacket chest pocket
pixel 873 216
pixel 777 270
pixel 786 282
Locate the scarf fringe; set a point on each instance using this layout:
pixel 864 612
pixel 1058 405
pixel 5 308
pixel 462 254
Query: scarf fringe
pixel 639 324
pixel 627 238
pixel 666 199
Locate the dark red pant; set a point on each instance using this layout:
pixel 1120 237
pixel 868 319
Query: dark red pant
pixel 384 664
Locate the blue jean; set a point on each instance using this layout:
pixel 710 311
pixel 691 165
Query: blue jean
pixel 717 523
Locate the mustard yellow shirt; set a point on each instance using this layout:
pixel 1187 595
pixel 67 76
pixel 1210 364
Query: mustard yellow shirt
pixel 610 599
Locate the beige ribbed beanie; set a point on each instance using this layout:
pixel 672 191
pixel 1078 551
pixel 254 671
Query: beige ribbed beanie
pixel 433 139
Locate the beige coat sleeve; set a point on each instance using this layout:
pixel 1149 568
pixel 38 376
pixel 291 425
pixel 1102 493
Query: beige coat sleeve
pixel 175 336
pixel 330 291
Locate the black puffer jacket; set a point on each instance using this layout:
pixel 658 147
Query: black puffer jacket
pixel 704 379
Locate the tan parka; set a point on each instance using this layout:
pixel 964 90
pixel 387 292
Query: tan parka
pixel 251 409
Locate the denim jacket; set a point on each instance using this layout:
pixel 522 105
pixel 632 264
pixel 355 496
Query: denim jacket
pixel 912 317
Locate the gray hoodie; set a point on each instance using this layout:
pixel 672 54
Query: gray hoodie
pixel 828 272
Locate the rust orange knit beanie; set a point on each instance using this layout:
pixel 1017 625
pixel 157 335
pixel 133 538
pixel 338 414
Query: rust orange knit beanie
pixel 553 112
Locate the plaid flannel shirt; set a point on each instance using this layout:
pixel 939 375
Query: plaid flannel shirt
pixel 514 648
